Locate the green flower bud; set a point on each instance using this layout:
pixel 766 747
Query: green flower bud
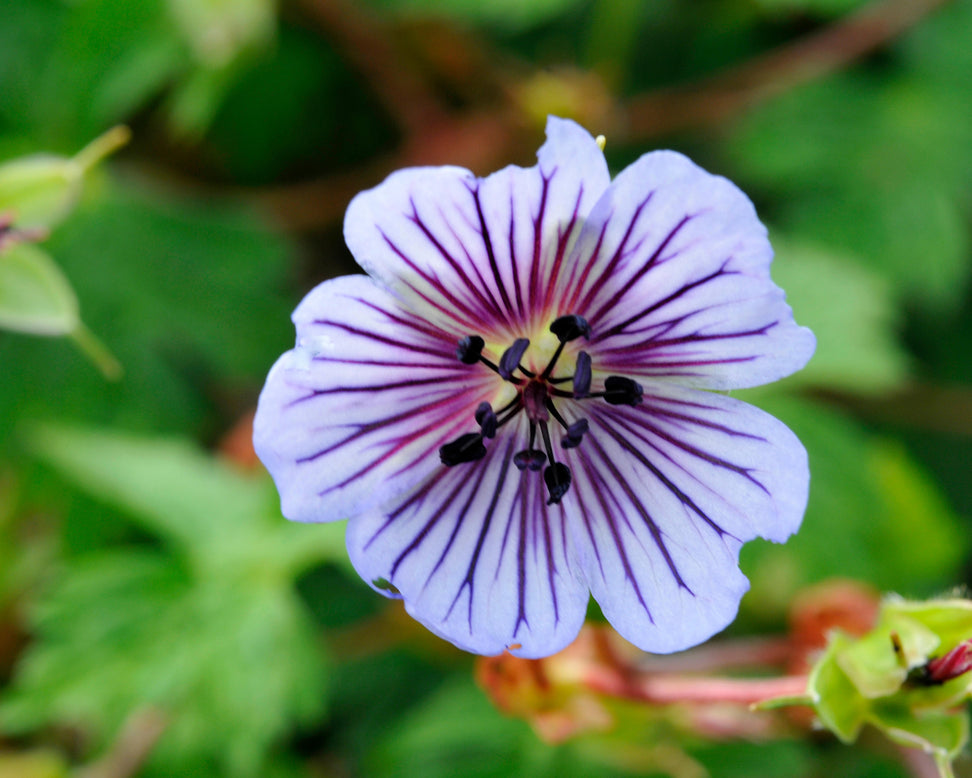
pixel 41 189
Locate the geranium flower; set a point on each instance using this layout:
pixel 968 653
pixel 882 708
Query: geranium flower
pixel 510 405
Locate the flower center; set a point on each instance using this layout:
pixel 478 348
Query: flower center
pixel 535 395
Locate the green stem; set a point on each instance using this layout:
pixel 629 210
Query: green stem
pixel 97 352
pixel 102 146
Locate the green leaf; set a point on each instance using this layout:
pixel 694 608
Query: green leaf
pixel 35 296
pixel 835 185
pixel 205 509
pixel 219 30
pixel 232 663
pixel 852 313
pixel 817 7
pixel 104 62
pixel 873 514
pixel 942 733
pixel 840 707
pixel 189 295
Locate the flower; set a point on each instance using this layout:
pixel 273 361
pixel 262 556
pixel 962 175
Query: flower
pixel 510 405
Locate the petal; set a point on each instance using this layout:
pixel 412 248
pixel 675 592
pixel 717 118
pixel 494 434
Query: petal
pixel 357 411
pixel 478 557
pixel 474 253
pixel 672 272
pixel 666 492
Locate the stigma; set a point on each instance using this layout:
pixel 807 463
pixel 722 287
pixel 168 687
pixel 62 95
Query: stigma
pixel 536 395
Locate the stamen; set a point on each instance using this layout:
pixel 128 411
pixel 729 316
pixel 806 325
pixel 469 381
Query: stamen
pixel 582 375
pixel 530 459
pixel 557 479
pixel 619 390
pixel 575 433
pixel 570 327
pixel 465 448
pixel 486 419
pixel 470 349
pixel 557 474
pixel 510 360
pixel 566 328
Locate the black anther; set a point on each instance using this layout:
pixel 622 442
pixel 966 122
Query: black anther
pixel 511 357
pixel 582 375
pixel 619 390
pixel 529 459
pixel 469 349
pixel 486 419
pixel 557 479
pixel 575 434
pixel 570 327
pixel 465 448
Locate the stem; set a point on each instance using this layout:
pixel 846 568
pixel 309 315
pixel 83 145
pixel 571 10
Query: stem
pixel 101 147
pixel 92 347
pixel 670 689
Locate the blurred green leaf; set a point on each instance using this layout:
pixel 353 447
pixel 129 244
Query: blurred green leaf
pixel 127 631
pixel 872 168
pixel 182 292
pixel 219 518
pixel 852 313
pixel 106 60
pixel 873 515
pixel 219 30
pixel 486 745
pixel 212 631
pixel 35 297
pixel 817 7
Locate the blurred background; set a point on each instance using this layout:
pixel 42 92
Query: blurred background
pixel 158 617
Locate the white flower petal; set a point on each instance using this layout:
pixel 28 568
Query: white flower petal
pixel 664 495
pixel 479 254
pixel 357 411
pixel 478 557
pixel 672 272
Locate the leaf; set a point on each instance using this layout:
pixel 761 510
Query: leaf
pixel 35 296
pixel 103 63
pixel 125 631
pixel 852 313
pixel 900 537
pixel 840 707
pixel 835 185
pixel 189 296
pixel 941 733
pixel 206 510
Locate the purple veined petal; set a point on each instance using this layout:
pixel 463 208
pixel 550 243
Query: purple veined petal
pixel 478 557
pixel 672 271
pixel 355 414
pixel 665 494
pixel 473 253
